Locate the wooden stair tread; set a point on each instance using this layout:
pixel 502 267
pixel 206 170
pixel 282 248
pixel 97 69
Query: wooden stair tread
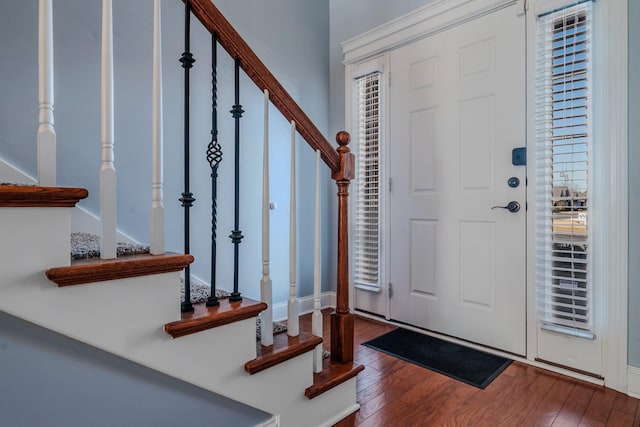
pixel 98 270
pixel 284 348
pixel 203 317
pixel 19 196
pixel 332 374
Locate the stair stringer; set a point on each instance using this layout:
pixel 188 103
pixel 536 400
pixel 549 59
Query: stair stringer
pixel 126 317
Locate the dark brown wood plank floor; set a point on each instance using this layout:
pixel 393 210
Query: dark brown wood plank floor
pixel 392 392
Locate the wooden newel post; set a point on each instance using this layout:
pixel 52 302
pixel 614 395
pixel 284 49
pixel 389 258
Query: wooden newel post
pixel 342 318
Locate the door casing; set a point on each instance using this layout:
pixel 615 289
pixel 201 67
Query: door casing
pixel 611 125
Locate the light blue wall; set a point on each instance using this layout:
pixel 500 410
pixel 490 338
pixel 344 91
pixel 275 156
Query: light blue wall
pixel 634 184
pixel 296 50
pixel 51 380
pixel 349 19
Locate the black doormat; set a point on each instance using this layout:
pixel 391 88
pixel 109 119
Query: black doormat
pixel 464 364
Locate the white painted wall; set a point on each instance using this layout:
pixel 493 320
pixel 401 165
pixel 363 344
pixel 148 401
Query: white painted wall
pixel 292 39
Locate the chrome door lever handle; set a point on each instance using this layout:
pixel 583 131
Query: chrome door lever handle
pixel 512 206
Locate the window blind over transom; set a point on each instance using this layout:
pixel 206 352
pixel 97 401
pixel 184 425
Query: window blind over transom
pixel 563 140
pixel 366 246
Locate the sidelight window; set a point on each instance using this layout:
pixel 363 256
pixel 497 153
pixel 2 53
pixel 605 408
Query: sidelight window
pixel 367 214
pixel 563 173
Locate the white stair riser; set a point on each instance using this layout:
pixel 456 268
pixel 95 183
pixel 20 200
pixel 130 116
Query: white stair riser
pixel 33 240
pixel 125 317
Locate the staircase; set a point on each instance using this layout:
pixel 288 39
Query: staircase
pixel 128 305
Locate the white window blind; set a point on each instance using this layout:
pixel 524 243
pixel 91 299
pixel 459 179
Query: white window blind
pixel 563 140
pixel 366 246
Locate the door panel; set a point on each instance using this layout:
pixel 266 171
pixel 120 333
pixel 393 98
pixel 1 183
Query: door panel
pixel 457 110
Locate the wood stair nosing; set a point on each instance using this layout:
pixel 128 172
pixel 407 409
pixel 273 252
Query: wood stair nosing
pixel 332 374
pixel 98 270
pixel 20 196
pixel 283 348
pixel 203 317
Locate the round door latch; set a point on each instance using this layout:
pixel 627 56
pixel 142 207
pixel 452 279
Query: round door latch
pixel 513 182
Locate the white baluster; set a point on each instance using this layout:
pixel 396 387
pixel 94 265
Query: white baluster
pixel 292 307
pixel 265 284
pixel 107 171
pixel 157 205
pixel 46 133
pixel 316 317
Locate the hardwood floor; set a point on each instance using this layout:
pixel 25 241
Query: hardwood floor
pixel 392 392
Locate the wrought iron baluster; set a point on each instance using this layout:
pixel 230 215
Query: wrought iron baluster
pixel 187 199
pixel 236 235
pixel 214 157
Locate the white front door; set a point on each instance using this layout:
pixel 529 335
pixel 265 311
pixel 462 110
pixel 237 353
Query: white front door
pixel 457 110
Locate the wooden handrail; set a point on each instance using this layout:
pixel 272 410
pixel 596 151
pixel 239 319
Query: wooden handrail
pixel 230 40
pixel 340 160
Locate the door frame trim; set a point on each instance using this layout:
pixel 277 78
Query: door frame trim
pixel 612 40
pixel 610 188
pixel 442 14
pixel 379 63
pixel 374 46
pixel 435 17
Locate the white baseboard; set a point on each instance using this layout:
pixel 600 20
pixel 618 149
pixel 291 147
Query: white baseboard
pixel 273 422
pixel 84 221
pixel 328 299
pixel 81 219
pixel 195 280
pixel 342 415
pixel 12 174
pixel 633 381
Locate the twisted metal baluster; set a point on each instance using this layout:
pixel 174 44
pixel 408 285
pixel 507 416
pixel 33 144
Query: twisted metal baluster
pixel 214 157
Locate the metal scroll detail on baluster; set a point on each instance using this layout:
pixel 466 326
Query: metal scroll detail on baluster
pixel 214 157
pixel 187 198
pixel 236 235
